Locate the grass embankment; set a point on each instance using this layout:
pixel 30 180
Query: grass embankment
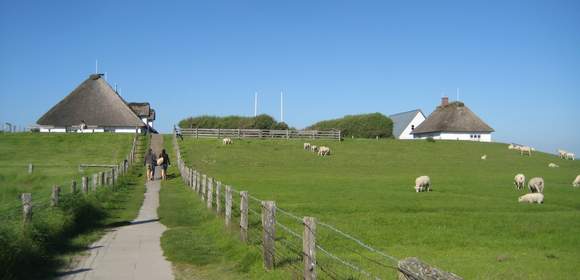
pixel 197 242
pixel 471 224
pixel 79 219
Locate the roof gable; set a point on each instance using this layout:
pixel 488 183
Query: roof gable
pixel 96 103
pixel 402 121
pixel 454 117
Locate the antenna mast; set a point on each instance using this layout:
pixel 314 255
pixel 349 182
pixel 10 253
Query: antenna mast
pixel 96 66
pixel 255 104
pixel 282 106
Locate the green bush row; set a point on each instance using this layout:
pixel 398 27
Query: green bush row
pixel 360 126
pixel 233 122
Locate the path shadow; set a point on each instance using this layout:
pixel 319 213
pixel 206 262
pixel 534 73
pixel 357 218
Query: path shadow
pixel 129 223
pixel 76 271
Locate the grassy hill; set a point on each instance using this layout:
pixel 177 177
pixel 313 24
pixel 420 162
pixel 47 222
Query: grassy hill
pixel 471 224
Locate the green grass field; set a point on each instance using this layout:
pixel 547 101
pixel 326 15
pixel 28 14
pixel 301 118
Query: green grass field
pixel 57 233
pixel 471 224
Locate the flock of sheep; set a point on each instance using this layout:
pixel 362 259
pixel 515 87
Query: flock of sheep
pixel 535 185
pixel 321 151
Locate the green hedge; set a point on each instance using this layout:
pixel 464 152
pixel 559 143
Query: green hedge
pixel 360 126
pixel 233 122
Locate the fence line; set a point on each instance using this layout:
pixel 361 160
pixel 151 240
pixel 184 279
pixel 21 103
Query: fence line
pixel 100 179
pixel 259 133
pixel 408 269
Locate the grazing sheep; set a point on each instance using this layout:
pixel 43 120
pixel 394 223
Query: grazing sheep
pixel 324 151
pixel 520 181
pixel 227 141
pixel 562 154
pixel 532 198
pixel 484 157
pixel 306 146
pixel 423 184
pixel 314 148
pixel 576 182
pixel 536 185
pixel 511 147
pixel 517 147
pixel 526 149
pixel 570 156
pixel 553 165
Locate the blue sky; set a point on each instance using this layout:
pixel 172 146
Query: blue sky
pixel 516 63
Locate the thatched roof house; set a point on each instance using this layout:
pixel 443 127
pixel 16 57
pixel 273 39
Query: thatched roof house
pixel 94 105
pixel 454 121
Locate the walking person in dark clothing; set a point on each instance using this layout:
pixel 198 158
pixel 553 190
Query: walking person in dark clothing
pixel 150 161
pixel 164 164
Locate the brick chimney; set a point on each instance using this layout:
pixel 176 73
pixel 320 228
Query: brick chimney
pixel 444 101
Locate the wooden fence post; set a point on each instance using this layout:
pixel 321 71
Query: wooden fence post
pixel 194 180
pixel 218 191
pixel 203 185
pixel 30 168
pixel 101 178
pixel 73 186
pixel 209 193
pixel 113 176
pixel 26 207
pixel 413 268
pixel 244 216
pixel 85 184
pixel 125 166
pixel 228 205
pixel 268 233
pixel 96 178
pixel 309 248
pixel 55 196
pixel 191 178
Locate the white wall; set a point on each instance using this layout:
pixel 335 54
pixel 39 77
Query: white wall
pixel 483 137
pixel 417 120
pixel 127 130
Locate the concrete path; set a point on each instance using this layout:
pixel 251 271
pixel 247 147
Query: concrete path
pixel 132 251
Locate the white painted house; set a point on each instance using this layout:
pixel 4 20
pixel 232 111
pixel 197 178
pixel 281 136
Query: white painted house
pixel 453 121
pixel 95 107
pixel 405 123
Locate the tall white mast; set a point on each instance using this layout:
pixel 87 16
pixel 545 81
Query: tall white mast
pixel 282 106
pixel 255 104
pixel 96 66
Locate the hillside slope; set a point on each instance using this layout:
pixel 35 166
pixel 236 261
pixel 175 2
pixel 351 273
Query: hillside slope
pixel 470 224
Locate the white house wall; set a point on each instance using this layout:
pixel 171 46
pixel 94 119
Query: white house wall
pixel 484 137
pixel 417 120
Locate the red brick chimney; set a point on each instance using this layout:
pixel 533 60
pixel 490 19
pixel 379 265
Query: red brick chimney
pixel 444 101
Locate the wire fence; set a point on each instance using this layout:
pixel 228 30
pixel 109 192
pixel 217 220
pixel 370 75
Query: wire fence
pixel 339 255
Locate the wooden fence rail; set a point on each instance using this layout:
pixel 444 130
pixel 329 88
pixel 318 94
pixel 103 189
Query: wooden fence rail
pixel 259 133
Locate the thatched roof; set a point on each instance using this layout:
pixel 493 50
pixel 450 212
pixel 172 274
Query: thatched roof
pixel 453 117
pixel 142 109
pixel 95 102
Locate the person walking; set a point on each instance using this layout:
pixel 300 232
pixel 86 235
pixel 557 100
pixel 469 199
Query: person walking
pixel 150 162
pixel 164 164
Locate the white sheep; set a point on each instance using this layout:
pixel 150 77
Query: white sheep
pixel 570 156
pixel 562 153
pixel 576 182
pixel 484 157
pixel 526 149
pixel 324 151
pixel 423 184
pixel 532 198
pixel 520 181
pixel 511 147
pixel 227 141
pixel 553 165
pixel 306 146
pixel 314 148
pixel 536 185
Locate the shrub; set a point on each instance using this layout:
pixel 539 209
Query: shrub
pixel 360 126
pixel 430 140
pixel 233 122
